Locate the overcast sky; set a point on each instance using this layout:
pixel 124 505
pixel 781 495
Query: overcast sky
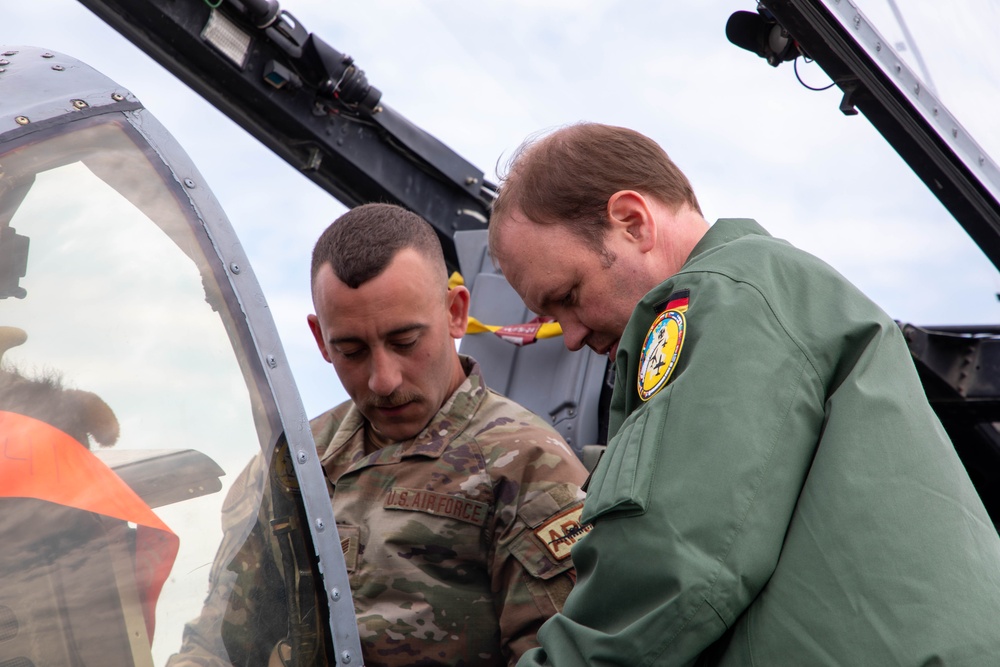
pixel 483 76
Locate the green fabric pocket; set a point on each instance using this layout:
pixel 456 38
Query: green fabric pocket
pixel 622 479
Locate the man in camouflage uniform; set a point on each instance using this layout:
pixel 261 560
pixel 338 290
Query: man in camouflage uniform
pixel 456 507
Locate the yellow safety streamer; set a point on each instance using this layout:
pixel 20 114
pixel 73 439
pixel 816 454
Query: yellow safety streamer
pixel 517 334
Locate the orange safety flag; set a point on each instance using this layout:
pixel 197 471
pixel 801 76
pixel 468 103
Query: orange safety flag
pixel 39 461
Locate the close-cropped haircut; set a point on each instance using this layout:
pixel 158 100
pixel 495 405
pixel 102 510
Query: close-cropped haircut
pixel 360 244
pixel 568 176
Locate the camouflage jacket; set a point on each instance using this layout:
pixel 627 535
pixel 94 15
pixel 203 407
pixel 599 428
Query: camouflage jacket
pixel 456 542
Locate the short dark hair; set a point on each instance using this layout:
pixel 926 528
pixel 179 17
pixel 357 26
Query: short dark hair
pixel 360 244
pixel 568 176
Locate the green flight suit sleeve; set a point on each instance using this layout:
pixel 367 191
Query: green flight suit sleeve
pixel 692 499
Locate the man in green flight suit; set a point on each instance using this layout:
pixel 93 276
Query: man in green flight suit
pixel 776 489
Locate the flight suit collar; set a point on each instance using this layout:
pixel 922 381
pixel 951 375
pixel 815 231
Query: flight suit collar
pixel 624 399
pixel 722 232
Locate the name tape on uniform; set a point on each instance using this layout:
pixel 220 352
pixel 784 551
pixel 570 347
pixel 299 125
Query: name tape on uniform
pixel 439 504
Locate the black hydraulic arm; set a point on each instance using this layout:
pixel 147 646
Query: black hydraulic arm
pixel 904 112
pixel 308 103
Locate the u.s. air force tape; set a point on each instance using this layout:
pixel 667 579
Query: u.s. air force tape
pixel 440 504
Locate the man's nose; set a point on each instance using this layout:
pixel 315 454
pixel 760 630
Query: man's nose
pixel 385 375
pixel 574 333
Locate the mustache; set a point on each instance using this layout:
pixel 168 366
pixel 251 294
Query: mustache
pixel 393 400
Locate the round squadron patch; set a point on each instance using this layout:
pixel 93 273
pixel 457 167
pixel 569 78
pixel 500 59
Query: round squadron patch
pixel 660 352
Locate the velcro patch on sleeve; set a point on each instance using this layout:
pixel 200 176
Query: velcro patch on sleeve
pixel 350 541
pixel 562 531
pixel 439 504
pixel 660 352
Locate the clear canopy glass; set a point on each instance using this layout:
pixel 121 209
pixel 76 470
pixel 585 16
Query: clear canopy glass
pixel 951 49
pixel 129 401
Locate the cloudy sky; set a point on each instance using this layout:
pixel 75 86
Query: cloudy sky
pixel 483 76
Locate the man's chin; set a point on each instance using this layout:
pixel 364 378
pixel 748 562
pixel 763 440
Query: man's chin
pixel 396 424
pixel 609 349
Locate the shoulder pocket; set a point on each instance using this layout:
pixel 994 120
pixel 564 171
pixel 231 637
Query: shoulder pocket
pixel 621 481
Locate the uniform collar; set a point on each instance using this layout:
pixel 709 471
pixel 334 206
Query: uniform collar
pixel 722 232
pixel 719 234
pixel 347 449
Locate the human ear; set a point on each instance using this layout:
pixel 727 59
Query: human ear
pixel 317 333
pixel 629 212
pixel 458 311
